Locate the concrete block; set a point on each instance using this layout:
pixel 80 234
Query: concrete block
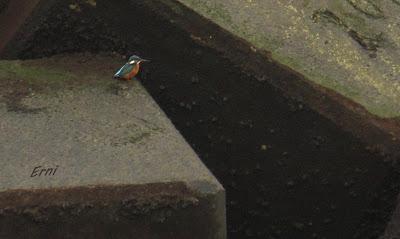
pixel 85 156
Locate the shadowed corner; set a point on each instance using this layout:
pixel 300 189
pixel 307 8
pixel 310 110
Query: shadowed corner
pixel 3 5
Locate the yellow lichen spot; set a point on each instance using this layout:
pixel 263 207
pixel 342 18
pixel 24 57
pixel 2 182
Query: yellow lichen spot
pixel 91 2
pixel 291 7
pixel 75 7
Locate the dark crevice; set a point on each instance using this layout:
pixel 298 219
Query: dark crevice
pixel 367 7
pixel 369 43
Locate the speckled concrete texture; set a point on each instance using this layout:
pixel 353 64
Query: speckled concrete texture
pixel 90 132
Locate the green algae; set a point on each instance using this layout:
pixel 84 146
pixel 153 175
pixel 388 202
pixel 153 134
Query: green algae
pixel 32 74
pixel 139 137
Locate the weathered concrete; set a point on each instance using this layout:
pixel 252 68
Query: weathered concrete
pixel 118 167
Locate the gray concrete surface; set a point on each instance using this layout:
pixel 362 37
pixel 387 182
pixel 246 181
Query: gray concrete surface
pixel 94 134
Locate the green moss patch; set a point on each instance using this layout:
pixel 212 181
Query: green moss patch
pixel 16 70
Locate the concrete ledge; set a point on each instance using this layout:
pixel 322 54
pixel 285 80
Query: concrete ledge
pixel 84 156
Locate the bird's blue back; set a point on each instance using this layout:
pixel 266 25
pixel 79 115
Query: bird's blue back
pixel 126 69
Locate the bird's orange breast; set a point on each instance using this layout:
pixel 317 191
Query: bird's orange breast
pixel 133 73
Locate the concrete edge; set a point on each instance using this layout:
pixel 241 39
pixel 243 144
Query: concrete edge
pixel 164 207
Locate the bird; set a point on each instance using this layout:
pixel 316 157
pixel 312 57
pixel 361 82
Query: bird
pixel 130 69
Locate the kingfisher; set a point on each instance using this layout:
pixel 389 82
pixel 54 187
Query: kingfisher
pixel 130 69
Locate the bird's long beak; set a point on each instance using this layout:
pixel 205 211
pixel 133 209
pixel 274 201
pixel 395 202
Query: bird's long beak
pixel 144 60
